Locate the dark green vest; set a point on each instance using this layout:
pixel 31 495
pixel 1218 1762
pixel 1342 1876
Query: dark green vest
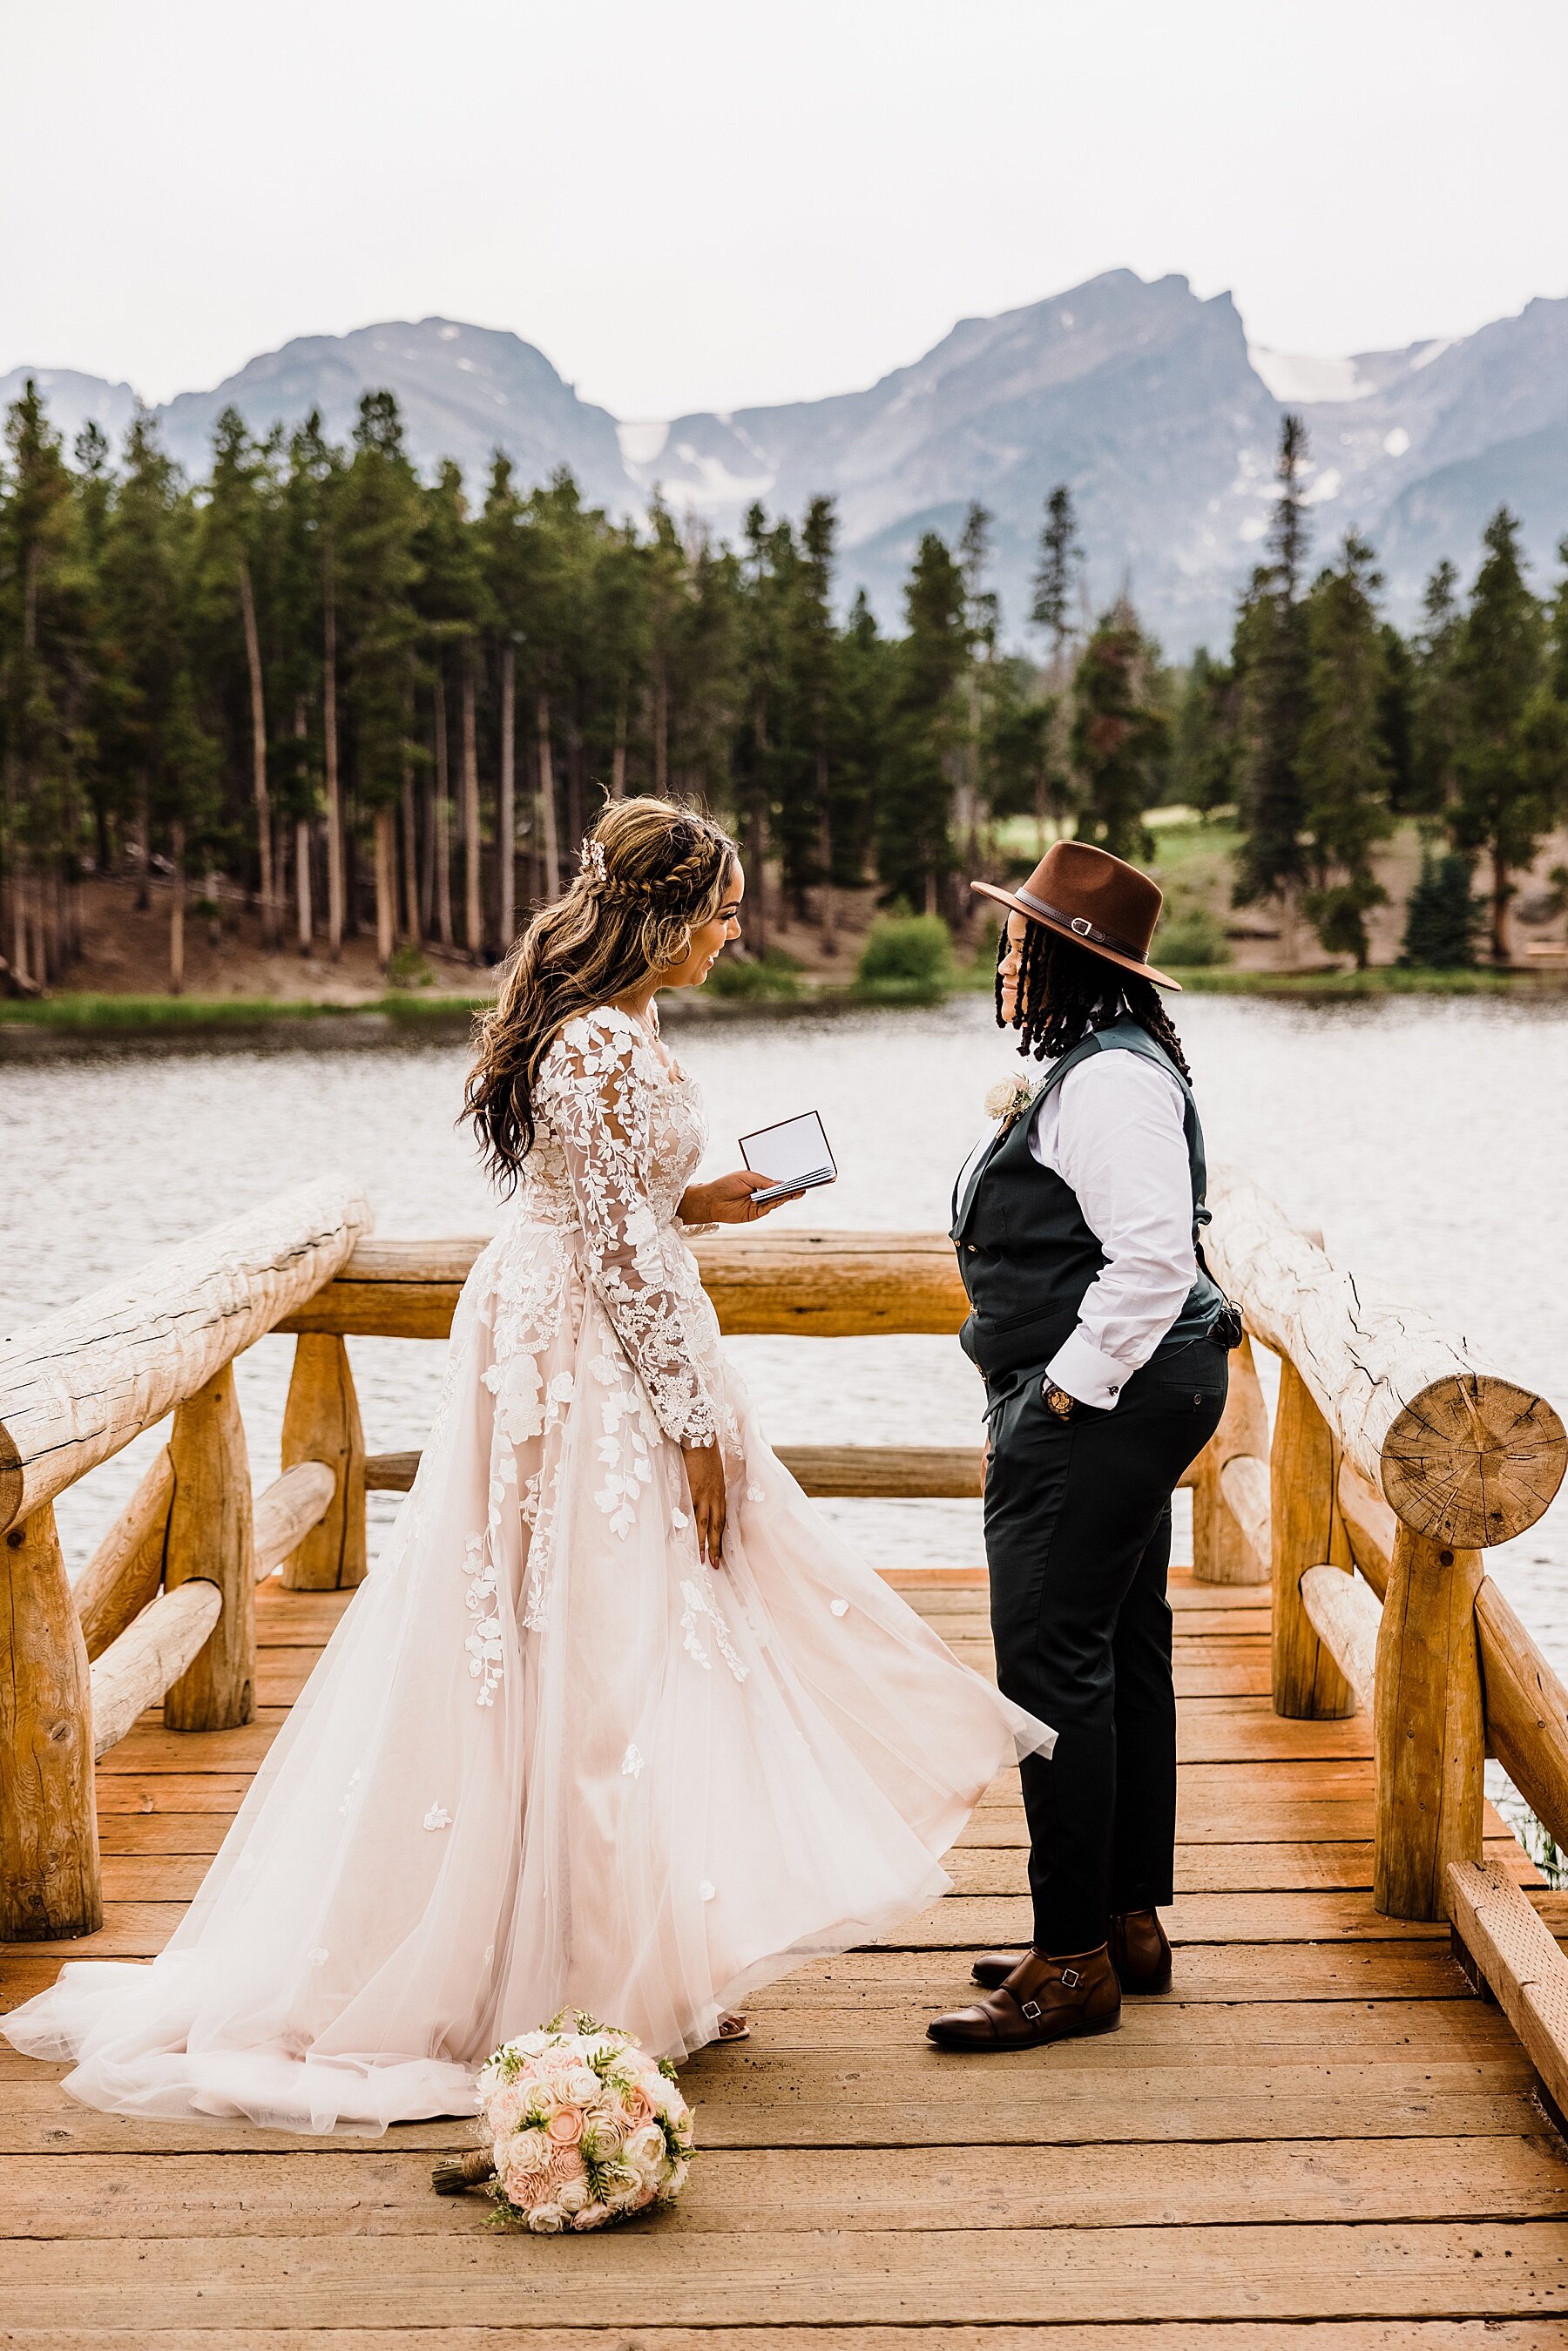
pixel 1025 1251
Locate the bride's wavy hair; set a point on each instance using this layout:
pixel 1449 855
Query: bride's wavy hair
pixel 650 872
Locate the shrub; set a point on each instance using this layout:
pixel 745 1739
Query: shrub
pixel 1196 939
pixel 408 969
pixel 757 978
pixel 907 960
pixel 1443 919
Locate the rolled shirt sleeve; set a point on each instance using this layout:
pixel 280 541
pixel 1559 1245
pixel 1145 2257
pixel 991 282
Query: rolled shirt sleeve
pixel 1112 1130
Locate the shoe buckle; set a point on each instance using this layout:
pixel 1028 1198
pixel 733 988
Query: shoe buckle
pixel 1031 2010
pixel 1071 1978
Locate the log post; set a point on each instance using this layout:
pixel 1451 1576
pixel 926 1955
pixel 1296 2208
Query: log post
pixel 48 1820
pixel 321 1423
pixel 1306 1531
pixel 1429 1726
pixel 1221 1552
pixel 209 1536
pixel 125 1571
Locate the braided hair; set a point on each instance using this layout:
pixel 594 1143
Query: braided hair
pixel 1064 990
pixel 650 873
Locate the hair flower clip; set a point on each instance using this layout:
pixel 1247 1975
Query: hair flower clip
pixel 590 859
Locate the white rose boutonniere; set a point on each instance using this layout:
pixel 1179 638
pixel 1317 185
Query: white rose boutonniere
pixel 1011 1097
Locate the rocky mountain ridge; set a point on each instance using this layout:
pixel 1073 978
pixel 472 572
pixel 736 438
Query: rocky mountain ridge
pixel 1143 396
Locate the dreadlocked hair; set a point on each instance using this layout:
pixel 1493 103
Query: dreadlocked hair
pixel 1063 991
pixel 650 873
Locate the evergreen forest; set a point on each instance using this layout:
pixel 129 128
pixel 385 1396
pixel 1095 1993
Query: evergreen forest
pixel 355 701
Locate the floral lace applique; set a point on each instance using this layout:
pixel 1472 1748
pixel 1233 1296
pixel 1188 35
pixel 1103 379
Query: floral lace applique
pixel 631 1764
pixel 486 1657
pixel 600 1086
pixel 700 1605
pixel 438 1817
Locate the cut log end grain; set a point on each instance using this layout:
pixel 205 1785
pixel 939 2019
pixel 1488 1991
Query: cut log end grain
pixel 1474 1461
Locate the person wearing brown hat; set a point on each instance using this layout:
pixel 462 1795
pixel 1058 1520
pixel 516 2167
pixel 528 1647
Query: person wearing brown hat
pixel 1103 1343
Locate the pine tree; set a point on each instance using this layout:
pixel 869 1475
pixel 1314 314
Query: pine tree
pixel 1272 658
pixel 1121 736
pixel 233 523
pixel 1502 805
pixel 1056 574
pixel 1204 747
pixel 453 611
pixel 1442 919
pixel 1436 696
pixel 377 574
pixel 1342 766
pixel 914 847
pixel 817 667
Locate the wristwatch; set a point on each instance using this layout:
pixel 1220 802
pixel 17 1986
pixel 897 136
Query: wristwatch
pixel 1058 1401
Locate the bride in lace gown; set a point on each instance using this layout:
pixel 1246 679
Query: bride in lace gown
pixel 618 1721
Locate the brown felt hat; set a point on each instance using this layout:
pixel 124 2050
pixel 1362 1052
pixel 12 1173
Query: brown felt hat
pixel 1090 896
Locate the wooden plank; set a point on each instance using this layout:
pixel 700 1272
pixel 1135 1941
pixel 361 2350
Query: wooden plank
pixel 381 2194
pixel 1026 2277
pixel 1210 1868
pixel 1323 2334
pixel 1523 1966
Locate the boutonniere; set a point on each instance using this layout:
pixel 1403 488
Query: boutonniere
pixel 1009 1098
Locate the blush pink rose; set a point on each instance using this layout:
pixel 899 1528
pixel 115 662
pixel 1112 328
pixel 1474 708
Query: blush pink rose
pixel 637 2109
pixel 565 2125
pixel 566 2164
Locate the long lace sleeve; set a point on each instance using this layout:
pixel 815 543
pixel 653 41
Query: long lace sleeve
pixel 598 1089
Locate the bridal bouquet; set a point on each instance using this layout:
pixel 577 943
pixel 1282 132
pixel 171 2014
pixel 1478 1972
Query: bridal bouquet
pixel 579 2127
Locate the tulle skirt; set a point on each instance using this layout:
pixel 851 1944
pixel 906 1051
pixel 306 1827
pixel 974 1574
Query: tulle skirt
pixel 548 1759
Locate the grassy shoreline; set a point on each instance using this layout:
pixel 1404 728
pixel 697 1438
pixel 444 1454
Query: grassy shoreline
pixel 397 1016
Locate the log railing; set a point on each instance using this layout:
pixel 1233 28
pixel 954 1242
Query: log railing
pixel 1392 1452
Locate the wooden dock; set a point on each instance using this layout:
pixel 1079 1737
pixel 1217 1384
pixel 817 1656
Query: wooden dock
pixel 1322 2129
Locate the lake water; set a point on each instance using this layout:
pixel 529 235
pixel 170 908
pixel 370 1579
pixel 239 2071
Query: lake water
pixel 1428 1138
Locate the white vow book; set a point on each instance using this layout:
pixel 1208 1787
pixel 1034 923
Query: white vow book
pixel 796 1154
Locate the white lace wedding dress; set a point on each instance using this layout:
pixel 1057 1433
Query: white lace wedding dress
pixel 549 1757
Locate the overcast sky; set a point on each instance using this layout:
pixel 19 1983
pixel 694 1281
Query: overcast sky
pixel 698 204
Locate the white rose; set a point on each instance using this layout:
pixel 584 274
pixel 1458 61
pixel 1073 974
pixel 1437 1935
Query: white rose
pixel 573 2195
pixel 528 2151
pixel 546 2220
pixel 530 2044
pixel 645 2151
pixel 577 2085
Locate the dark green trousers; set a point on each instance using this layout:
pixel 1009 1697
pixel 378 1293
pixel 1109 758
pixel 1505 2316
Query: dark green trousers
pixel 1078 1530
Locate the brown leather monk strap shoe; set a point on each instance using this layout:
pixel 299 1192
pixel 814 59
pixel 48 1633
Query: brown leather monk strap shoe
pixel 1042 2000
pixel 1139 1952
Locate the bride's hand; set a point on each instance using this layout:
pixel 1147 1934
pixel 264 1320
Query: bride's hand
pixel 704 1482
pixel 728 1199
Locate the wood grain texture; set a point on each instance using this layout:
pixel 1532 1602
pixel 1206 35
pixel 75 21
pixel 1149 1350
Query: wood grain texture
pixel 321 1423
pixel 286 1511
pixel 899 1472
pixel 1429 1720
pixel 127 1568
pixel 1526 1971
pixel 1223 1550
pixel 149 1657
pixel 1346 1618
pixel 1461 1452
pixel 211 1539
pixel 1526 1709
pixel 76 1388
pixel 49 1825
pixel 1306 1532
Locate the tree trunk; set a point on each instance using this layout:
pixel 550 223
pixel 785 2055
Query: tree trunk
pixel 177 911
pixel 302 882
pixel 618 758
pixel 19 922
pixel 258 758
pixel 335 891
pixel 508 846
pixel 386 885
pixel 547 803
pixel 1501 951
pixel 825 851
pixel 143 845
pixel 661 731
pixel 443 817
pixel 410 859
pixel 427 864
pixel 473 904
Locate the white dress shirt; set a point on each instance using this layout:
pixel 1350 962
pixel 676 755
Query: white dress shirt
pixel 1112 1130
